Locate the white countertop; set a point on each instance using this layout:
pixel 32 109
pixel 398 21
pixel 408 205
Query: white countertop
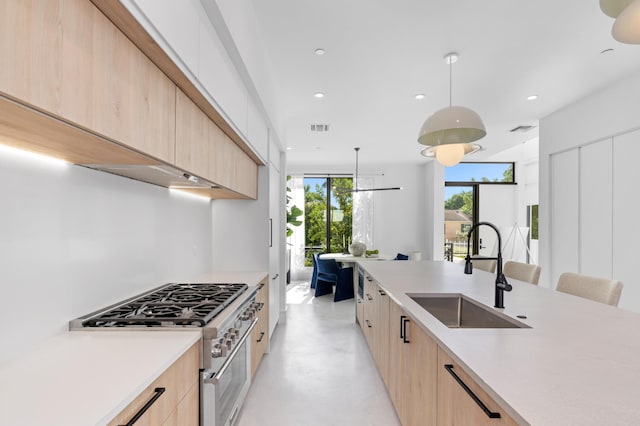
pixel 84 378
pixel 579 364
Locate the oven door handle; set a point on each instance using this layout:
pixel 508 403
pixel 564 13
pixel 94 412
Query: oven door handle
pixel 215 378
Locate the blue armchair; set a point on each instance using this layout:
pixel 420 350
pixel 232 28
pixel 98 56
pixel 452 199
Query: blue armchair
pixel 401 256
pixel 330 274
pixel 314 275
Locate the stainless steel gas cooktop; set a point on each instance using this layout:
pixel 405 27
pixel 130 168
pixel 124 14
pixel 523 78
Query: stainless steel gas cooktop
pixel 171 305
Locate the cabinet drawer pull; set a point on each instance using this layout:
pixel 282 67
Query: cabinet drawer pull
pixel 369 278
pixel 275 276
pixel 382 293
pixel 404 320
pixel 260 286
pixel 489 413
pixel 145 407
pixel 368 323
pixel 261 337
pixel 369 297
pixel 402 317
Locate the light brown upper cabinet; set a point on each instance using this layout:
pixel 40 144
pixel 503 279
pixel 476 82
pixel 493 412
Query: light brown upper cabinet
pixel 202 148
pixel 193 134
pixel 64 57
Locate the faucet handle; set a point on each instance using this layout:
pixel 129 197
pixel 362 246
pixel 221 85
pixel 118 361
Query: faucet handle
pixel 503 284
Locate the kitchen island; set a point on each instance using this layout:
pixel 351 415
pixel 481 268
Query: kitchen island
pixel 578 363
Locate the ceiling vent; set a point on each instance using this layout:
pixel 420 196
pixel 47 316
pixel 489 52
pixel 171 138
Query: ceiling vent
pixel 320 128
pixel 522 129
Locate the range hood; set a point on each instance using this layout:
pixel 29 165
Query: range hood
pixel 158 174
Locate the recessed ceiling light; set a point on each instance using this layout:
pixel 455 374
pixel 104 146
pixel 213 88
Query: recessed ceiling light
pixel 319 52
pixel 319 95
pixel 420 96
pixel 532 97
pixel 289 148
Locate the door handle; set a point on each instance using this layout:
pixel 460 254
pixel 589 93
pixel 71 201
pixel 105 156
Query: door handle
pixel 405 320
pixel 483 407
pixel 157 393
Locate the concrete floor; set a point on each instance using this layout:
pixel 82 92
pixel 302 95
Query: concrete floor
pixel 319 371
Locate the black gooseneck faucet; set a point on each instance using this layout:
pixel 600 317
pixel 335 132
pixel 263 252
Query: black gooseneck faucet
pixel 501 282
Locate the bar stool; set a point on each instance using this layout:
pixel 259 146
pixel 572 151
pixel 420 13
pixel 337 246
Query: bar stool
pixel 601 290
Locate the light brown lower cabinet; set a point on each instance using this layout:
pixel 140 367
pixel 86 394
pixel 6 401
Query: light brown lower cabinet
pixel 376 324
pixel 413 361
pixel 174 394
pixel 260 334
pixel 461 401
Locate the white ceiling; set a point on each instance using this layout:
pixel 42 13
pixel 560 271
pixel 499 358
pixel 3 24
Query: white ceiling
pixel 380 53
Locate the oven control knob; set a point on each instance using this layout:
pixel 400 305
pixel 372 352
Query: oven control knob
pixel 245 317
pixel 235 331
pixel 216 351
pixel 228 343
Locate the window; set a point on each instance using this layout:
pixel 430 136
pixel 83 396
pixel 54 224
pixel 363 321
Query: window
pixel 481 173
pixel 462 201
pixel 324 199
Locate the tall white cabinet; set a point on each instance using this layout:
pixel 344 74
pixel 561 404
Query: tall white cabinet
pixel 589 172
pixel 592 201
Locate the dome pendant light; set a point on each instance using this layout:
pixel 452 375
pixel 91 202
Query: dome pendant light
pixel 449 132
pixel 626 28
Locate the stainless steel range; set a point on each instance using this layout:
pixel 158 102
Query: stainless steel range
pixel 226 313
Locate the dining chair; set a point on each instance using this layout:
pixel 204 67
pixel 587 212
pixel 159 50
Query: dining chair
pixel 314 274
pixel 603 290
pixel 526 272
pixel 330 274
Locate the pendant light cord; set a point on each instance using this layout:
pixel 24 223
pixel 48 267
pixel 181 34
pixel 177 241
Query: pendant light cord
pixel 356 181
pixel 450 81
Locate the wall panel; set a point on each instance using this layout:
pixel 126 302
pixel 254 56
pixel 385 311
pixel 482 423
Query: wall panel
pixel 565 215
pixel 626 177
pixel 596 170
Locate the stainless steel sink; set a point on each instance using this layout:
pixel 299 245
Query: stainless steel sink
pixel 458 311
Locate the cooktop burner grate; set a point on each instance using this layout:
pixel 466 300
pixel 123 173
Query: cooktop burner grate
pixel 181 304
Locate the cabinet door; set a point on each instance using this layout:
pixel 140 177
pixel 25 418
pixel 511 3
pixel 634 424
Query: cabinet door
pixel 68 59
pixel 420 364
pixel 133 102
pixel 397 369
pixel 412 370
pixel 456 406
pixel 178 382
pixel 187 413
pixel 193 130
pixel 360 310
pixel 369 311
pixel 260 334
pixel 31 43
pixel 381 333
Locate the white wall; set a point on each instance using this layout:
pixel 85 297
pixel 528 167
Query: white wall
pixel 583 145
pixel 403 219
pixel 73 240
pixel 526 158
pixel 240 231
